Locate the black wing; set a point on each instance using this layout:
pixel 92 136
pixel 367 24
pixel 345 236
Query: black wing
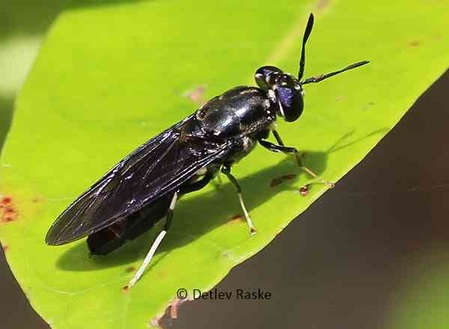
pixel 117 234
pixel 155 168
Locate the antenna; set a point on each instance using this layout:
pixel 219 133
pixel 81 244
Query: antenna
pixel 307 32
pixel 321 77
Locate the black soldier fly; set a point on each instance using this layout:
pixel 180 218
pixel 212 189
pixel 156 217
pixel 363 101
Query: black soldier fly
pixel 144 187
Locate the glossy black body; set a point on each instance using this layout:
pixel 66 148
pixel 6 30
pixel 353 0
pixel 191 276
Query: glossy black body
pixel 136 193
pixel 121 206
pixel 240 117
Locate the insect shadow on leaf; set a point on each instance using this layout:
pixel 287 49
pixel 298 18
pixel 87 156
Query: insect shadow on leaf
pixel 259 191
pixel 194 219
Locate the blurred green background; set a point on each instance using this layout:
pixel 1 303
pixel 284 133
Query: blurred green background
pixel 372 253
pixel 22 27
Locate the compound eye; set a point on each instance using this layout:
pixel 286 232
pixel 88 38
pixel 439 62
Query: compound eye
pixel 289 96
pixel 265 76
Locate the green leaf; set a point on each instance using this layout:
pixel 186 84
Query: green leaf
pixel 110 77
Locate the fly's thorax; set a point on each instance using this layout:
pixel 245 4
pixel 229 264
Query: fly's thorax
pixel 239 111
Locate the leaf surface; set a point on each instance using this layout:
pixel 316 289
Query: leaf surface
pixel 110 77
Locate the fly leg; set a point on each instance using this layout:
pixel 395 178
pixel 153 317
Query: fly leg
pixel 291 150
pixel 156 242
pixel 194 186
pixel 226 169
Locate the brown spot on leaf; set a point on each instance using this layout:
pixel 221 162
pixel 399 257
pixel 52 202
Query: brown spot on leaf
pixel 304 190
pixel 414 43
pixel 8 213
pixel 196 95
pixel 36 199
pixel 5 248
pixel 276 182
pixel 235 218
pixel 163 273
pixel 226 254
pixel 125 289
pixel 5 200
pixel 279 180
pixel 322 4
pixel 130 269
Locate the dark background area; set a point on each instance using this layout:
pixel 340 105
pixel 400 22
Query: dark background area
pixel 350 257
pixel 349 261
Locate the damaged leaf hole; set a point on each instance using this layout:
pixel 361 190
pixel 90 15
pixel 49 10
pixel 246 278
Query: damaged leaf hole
pixel 171 313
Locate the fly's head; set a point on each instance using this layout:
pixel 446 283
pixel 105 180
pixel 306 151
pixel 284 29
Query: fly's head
pixel 286 90
pixel 283 89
